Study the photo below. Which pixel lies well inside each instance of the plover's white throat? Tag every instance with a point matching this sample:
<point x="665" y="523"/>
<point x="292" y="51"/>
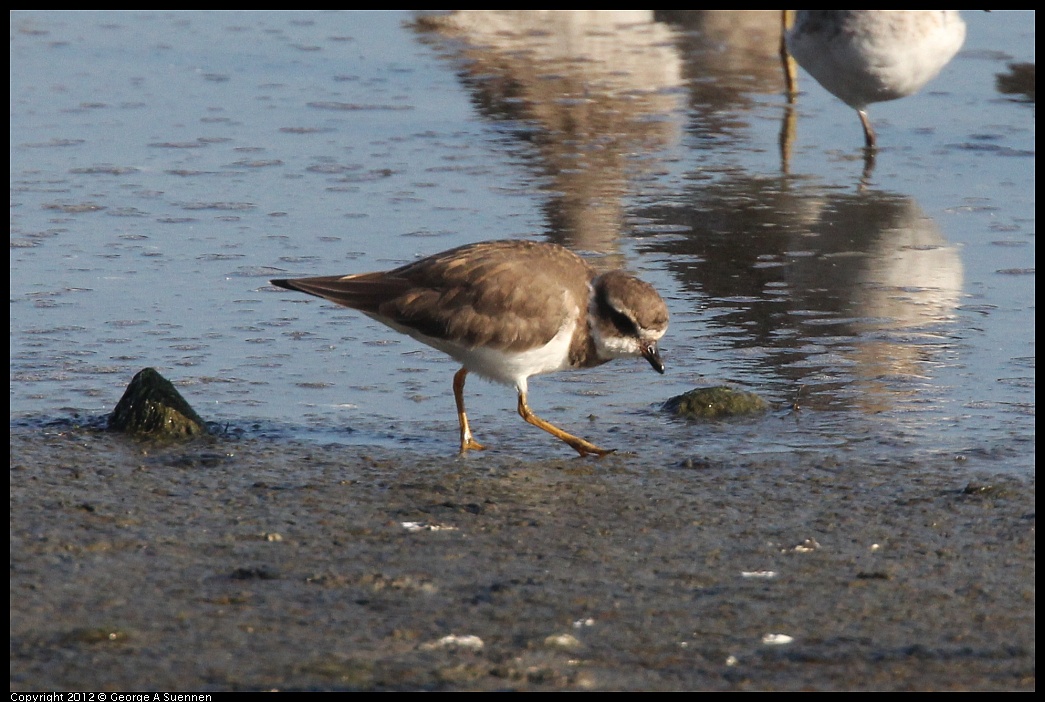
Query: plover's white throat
<point x="507" y="310"/>
<point x="865" y="56"/>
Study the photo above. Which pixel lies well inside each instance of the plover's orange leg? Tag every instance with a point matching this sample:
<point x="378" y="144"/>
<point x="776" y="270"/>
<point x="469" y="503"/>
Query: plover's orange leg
<point x="467" y="442"/>
<point x="578" y="444"/>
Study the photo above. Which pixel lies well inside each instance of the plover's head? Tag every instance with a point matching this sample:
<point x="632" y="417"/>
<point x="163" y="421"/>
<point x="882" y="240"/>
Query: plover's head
<point x="627" y="318"/>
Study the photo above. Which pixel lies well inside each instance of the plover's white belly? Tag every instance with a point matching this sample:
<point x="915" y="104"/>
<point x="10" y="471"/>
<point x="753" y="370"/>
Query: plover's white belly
<point x="502" y="366"/>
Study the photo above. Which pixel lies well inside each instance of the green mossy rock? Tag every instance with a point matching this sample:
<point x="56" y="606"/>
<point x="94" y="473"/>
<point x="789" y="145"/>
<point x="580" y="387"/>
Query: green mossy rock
<point x="152" y="407"/>
<point x="715" y="403"/>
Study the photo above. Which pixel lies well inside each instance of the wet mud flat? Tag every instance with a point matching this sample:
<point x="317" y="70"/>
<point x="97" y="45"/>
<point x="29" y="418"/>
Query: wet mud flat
<point x="228" y="564"/>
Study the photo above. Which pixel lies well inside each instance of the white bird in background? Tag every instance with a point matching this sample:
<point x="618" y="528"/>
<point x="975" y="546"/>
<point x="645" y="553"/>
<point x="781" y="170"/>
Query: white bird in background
<point x="865" y="56"/>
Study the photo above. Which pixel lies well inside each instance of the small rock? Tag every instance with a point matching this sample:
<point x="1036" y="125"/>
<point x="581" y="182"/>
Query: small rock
<point x="565" y="642"/>
<point x="152" y="407"/>
<point x="716" y="402"/>
<point x="454" y="642"/>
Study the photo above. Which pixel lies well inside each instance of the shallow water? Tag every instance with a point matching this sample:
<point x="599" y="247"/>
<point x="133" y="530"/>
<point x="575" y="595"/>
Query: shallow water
<point x="165" y="165"/>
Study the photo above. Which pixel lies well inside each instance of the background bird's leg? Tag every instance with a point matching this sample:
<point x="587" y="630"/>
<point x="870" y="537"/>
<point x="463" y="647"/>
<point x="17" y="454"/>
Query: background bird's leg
<point x="869" y="137"/>
<point x="787" y="20"/>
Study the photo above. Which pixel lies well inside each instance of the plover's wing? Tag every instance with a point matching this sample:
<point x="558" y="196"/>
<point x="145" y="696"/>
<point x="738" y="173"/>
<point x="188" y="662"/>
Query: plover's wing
<point x="363" y="291"/>
<point x="511" y="296"/>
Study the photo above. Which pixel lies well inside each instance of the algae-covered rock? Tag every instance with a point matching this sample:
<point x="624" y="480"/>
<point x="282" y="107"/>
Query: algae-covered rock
<point x="151" y="406"/>
<point x="716" y="402"/>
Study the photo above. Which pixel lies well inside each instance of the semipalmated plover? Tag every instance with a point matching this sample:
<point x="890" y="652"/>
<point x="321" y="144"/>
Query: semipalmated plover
<point x="865" y="56"/>
<point x="507" y="310"/>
